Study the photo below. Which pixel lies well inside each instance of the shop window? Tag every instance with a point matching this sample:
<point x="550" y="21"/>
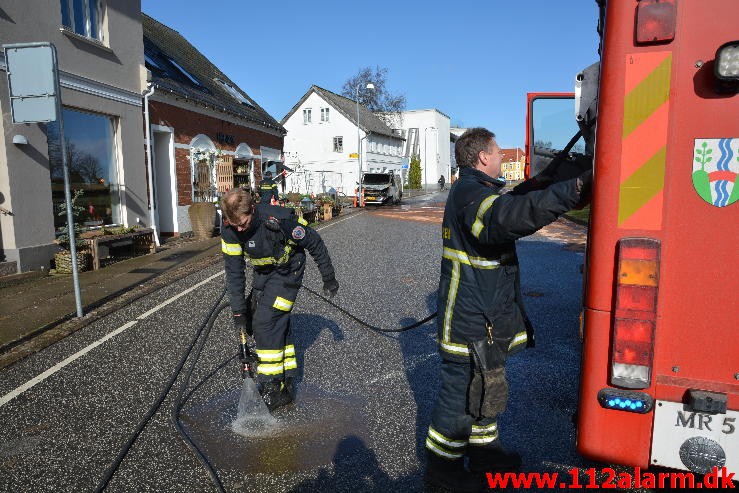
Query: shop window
<point x="82" y="17"/>
<point x="93" y="167"/>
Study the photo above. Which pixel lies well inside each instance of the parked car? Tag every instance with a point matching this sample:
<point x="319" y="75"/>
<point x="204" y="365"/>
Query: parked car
<point x="382" y="188"/>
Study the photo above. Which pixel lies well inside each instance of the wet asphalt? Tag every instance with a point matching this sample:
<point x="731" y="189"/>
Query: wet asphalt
<point x="364" y="399"/>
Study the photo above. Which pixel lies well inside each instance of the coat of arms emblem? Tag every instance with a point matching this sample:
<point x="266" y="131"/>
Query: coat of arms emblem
<point x="715" y="166"/>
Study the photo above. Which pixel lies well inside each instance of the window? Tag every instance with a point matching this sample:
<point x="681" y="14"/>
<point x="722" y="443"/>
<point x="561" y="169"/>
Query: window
<point x="91" y="155"/>
<point x="338" y="144"/>
<point x="82" y="17"/>
<point x="234" y="92"/>
<point x="306" y="116"/>
<point x="324" y="114"/>
<point x="185" y="72"/>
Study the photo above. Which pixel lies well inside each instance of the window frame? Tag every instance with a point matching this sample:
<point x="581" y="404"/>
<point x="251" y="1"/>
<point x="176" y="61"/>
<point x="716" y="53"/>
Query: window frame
<point x="88" y="29"/>
<point x="324" y="115"/>
<point x="307" y="118"/>
<point x="339" y="139"/>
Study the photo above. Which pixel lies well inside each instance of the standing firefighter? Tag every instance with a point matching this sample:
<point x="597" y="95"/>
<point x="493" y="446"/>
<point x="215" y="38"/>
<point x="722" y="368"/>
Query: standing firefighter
<point x="274" y="241"/>
<point x="481" y="319"/>
<point x="268" y="189"/>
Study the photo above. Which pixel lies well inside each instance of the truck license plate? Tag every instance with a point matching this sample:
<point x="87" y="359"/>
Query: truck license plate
<point x="694" y="441"/>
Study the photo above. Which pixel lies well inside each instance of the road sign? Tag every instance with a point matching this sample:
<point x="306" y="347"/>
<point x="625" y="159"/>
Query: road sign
<point x="354" y="155"/>
<point x="405" y="166"/>
<point x="31" y="69"/>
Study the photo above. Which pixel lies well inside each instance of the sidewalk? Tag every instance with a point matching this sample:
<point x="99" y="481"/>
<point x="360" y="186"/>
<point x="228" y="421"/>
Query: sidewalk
<point x="40" y="311"/>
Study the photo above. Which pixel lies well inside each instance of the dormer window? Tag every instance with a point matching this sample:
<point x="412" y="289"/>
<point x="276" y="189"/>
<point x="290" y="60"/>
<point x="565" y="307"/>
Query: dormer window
<point x="234" y="92"/>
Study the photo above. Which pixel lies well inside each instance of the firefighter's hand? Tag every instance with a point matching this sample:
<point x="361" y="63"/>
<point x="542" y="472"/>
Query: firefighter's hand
<point x="240" y="321"/>
<point x="584" y="185"/>
<point x="330" y="288"/>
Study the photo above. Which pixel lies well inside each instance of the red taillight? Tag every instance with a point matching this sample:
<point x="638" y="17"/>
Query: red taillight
<point x="637" y="286"/>
<point x="655" y="21"/>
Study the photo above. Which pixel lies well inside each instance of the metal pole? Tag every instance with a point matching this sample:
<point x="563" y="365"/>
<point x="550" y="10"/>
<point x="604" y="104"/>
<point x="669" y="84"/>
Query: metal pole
<point x="359" y="156"/>
<point x="68" y="200"/>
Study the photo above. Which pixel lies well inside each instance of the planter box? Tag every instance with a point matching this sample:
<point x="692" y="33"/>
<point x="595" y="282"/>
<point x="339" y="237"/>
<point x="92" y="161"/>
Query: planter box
<point x="63" y="261"/>
<point x="141" y="242"/>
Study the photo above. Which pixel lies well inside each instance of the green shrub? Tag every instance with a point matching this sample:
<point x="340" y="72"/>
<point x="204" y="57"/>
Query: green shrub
<point x="414" y="173"/>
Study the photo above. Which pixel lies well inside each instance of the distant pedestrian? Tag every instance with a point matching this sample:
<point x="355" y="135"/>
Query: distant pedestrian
<point x="441" y="182"/>
<point x="481" y="317"/>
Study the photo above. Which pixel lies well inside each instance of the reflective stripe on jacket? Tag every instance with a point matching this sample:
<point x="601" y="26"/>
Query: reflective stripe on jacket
<point x="479" y="285"/>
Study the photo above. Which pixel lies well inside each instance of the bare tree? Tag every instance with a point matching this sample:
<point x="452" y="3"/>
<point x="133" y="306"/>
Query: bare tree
<point x="386" y="106"/>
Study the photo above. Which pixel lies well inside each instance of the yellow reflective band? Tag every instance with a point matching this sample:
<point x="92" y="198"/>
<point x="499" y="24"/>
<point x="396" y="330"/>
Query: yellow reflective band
<point x="285" y="255"/>
<point x="262" y="261"/>
<point x="289" y="350"/>
<point x="283" y="304"/>
<point x="520" y="338"/>
<point x="440" y="451"/>
<point x="291" y="363"/>
<point x="270" y="354"/>
<point x="453" y="348"/>
<point x="231" y="248"/>
<point x="302" y="221"/>
<point x="479" y="429"/>
<point x="480" y="439"/>
<point x="478" y="225"/>
<point x="265" y="187"/>
<point x="438" y="437"/>
<point x="451" y="300"/>
<point x="270" y="369"/>
<point x="476" y="262"/>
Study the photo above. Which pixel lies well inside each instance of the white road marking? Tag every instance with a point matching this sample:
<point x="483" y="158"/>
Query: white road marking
<point x="43" y="376"/>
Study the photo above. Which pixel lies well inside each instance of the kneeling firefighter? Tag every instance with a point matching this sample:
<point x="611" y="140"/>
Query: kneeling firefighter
<point x="274" y="241"/>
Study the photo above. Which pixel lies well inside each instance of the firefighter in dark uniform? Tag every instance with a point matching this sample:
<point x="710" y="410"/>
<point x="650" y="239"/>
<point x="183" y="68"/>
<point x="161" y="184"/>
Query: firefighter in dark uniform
<point x="267" y="189"/>
<point x="479" y="301"/>
<point x="274" y="242"/>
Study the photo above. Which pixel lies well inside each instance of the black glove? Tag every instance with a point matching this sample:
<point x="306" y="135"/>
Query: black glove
<point x="240" y="321"/>
<point x="330" y="288"/>
<point x="584" y="186"/>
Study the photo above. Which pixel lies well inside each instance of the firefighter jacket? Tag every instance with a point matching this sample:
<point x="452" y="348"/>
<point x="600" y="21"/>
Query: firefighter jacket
<point x="479" y="287"/>
<point x="267" y="190"/>
<point x="274" y="244"/>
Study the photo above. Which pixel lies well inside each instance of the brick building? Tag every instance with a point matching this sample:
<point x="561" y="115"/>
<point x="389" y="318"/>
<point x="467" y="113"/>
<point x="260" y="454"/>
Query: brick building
<point x="207" y="135"/>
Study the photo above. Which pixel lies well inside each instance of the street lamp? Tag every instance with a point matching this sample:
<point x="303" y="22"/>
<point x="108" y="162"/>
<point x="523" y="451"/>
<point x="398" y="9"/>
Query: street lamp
<point x="369" y="85"/>
<point x="425" y="155"/>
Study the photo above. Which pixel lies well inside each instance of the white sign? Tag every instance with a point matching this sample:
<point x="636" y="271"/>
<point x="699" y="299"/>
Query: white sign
<point x="31" y="69"/>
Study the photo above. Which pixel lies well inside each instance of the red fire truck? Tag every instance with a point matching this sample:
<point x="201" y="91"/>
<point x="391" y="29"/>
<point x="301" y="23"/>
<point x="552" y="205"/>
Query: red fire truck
<point x="658" y="116"/>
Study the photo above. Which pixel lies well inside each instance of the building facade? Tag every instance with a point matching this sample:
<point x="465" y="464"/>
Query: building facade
<point x="513" y="164"/>
<point x="428" y="136"/>
<point x="101" y="72"/>
<point x="321" y="145"/>
<point x="207" y="134"/>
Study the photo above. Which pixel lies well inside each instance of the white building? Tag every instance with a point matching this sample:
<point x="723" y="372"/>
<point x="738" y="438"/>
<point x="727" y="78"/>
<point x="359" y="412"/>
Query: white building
<point x="321" y="143"/>
<point x="428" y="136"/>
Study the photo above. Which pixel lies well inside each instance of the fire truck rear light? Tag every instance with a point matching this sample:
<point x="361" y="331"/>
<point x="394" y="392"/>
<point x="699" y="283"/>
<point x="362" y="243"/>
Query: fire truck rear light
<point x="655" y="21"/>
<point x="630" y="376"/>
<point x="637" y="288"/>
<point x="727" y="61"/>
<point x="625" y="400"/>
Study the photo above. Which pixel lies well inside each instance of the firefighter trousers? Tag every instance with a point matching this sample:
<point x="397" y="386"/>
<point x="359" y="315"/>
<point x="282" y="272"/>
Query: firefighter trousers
<point x="275" y="295"/>
<point x="453" y="432"/>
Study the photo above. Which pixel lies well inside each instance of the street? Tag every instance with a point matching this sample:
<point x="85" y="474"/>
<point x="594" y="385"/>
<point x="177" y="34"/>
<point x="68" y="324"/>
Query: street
<point x="364" y="399"/>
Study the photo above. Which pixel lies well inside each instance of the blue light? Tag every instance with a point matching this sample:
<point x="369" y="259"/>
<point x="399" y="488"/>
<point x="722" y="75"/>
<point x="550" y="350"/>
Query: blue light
<point x="632" y="406"/>
<point x="622" y="405"/>
<point x="611" y="402"/>
<point x="628" y="402"/>
<point x="639" y="404"/>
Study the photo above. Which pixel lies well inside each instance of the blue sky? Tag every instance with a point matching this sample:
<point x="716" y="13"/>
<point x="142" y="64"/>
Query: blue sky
<point x="473" y="60"/>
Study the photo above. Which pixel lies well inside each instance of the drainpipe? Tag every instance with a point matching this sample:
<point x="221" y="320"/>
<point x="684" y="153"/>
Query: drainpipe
<point x="149" y="168"/>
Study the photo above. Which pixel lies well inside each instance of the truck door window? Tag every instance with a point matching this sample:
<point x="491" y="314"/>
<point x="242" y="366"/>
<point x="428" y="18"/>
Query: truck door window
<point x="553" y="124"/>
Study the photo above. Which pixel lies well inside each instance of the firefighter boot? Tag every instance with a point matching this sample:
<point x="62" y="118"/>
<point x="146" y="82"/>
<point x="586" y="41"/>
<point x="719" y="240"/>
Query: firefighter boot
<point x="275" y="394"/>
<point x="492" y="459"/>
<point x="450" y="474"/>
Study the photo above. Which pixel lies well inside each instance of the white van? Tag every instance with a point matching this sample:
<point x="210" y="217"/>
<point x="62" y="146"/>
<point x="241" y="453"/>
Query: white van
<point x="382" y="188"/>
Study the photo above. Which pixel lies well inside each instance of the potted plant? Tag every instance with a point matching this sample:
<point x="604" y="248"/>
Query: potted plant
<point x="63" y="258"/>
<point x="327" y="205"/>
